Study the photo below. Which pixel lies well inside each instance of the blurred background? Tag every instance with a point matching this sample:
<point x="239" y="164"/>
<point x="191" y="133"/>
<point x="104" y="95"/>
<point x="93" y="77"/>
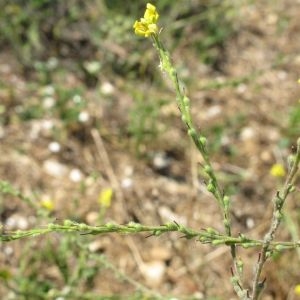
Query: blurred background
<point x="90" y="131"/>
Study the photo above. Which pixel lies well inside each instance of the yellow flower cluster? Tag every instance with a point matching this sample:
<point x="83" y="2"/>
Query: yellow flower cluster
<point x="105" y="197"/>
<point x="147" y="25"/>
<point x="277" y="170"/>
<point x="48" y="204"/>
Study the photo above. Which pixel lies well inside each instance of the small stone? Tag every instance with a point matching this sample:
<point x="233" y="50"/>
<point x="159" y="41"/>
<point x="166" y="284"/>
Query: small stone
<point x="241" y="89"/>
<point x="75" y="175"/>
<point x="16" y="221"/>
<point x="52" y="63"/>
<point x="153" y="272"/>
<point x="247" y="133"/>
<point x="54" y="168"/>
<point x="84" y="117"/>
<point x="107" y="88"/>
<point x="54" y="147"/>
<point x="271" y="19"/>
<point x="126" y="183"/>
<point x="96" y="246"/>
<point x="128" y="171"/>
<point x="92" y="217"/>
<point x="250" y="223"/>
<point x="213" y="112"/>
<point x="161" y="161"/>
<point x="47" y="124"/>
<point x="93" y="67"/>
<point x="282" y="75"/>
<point x="48" y="102"/>
<point x="8" y="250"/>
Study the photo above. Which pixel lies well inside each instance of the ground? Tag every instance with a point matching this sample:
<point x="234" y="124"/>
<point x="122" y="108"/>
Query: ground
<point x="247" y="106"/>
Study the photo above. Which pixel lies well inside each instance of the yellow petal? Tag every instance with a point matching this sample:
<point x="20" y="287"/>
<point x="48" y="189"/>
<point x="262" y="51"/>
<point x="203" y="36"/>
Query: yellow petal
<point x="151" y="15"/>
<point x="47" y="204"/>
<point x="147" y="25"/>
<point x="105" y="197"/>
<point x="277" y="170"/>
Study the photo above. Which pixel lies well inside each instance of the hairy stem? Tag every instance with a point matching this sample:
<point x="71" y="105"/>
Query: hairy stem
<point x="200" y="142"/>
<point x="278" y="202"/>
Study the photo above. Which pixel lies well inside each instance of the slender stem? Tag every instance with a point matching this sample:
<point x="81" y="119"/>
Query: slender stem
<point x="183" y="103"/>
<point x="278" y="202"/>
<point x="205" y="236"/>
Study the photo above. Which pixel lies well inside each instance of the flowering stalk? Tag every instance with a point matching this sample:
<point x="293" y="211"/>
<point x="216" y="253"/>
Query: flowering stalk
<point x="145" y="27"/>
<point x="204" y="236"/>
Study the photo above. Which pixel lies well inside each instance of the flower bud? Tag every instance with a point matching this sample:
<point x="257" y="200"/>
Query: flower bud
<point x="192" y="133"/>
<point x="186" y="101"/>
<point x="202" y="140"/>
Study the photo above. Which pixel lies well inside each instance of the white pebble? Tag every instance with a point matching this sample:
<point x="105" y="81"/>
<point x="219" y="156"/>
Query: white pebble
<point x="16" y="222"/>
<point x="213" y="111"/>
<point x="161" y="161"/>
<point x="75" y="175"/>
<point x="126" y="183"/>
<point x="54" y="147"/>
<point x="247" y="133"/>
<point x="52" y="63"/>
<point x="48" y="102"/>
<point x="83" y="117"/>
<point x="154" y="271"/>
<point x="8" y="250"/>
<point x="47" y="125"/>
<point x="96" y="246"/>
<point x="54" y="168"/>
<point x="250" y="223"/>
<point x="107" y="88"/>
<point x="282" y="75"/>
<point x="241" y="88"/>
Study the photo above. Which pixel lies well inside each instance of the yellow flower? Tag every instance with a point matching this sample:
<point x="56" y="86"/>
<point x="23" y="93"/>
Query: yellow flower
<point x="151" y="15"/>
<point x="144" y="29"/>
<point x="47" y="204"/>
<point x="105" y="197"/>
<point x="147" y="25"/>
<point x="277" y="170"/>
<point x="297" y="290"/>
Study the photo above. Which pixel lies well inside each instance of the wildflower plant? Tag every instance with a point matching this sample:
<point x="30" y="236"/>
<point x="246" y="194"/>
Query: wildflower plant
<point x="213" y="186"/>
<point x="147" y="27"/>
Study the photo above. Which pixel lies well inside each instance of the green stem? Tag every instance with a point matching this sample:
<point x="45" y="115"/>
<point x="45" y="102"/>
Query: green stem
<point x="205" y="236"/>
<point x="278" y="202"/>
<point x="199" y="140"/>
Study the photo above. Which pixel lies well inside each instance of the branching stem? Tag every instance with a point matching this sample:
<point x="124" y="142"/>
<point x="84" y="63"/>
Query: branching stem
<point x="278" y="202"/>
